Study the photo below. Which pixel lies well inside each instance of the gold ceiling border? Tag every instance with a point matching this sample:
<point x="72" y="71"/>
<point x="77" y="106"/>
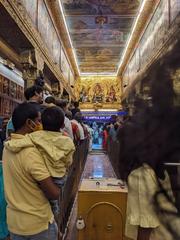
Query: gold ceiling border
<point x="100" y="106"/>
<point x="19" y="14"/>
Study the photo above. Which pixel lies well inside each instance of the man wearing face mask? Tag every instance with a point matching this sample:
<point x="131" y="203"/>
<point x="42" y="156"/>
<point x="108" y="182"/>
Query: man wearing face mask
<point x="27" y="181"/>
<point x="33" y="95"/>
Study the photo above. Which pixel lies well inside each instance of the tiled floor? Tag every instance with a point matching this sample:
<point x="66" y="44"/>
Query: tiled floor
<point x="97" y="166"/>
<point x="97" y="146"/>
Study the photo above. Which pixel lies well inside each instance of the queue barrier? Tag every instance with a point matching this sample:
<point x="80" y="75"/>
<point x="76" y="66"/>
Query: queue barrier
<point x="72" y="184"/>
<point x="68" y="194"/>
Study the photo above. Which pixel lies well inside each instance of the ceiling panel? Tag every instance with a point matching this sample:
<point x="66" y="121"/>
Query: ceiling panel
<point x="99" y="30"/>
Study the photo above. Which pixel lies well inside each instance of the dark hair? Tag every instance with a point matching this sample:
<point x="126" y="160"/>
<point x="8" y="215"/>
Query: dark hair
<point x="150" y="136"/>
<point x="68" y="114"/>
<point x="78" y="117"/>
<point x="62" y="103"/>
<point x="50" y="99"/>
<point x="52" y="119"/>
<point x="40" y="80"/>
<point x="23" y="112"/>
<point x="76" y="104"/>
<point x="31" y="91"/>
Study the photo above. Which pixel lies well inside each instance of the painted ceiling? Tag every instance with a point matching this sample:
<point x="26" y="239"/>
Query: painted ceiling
<point x="99" y="31"/>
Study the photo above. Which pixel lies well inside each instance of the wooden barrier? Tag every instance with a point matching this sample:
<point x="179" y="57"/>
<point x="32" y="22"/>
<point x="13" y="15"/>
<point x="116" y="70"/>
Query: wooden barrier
<point x="113" y="149"/>
<point x="72" y="183"/>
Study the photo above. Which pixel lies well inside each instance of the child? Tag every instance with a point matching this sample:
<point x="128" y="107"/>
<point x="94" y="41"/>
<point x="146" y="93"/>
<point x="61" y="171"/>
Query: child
<point x="56" y="149"/>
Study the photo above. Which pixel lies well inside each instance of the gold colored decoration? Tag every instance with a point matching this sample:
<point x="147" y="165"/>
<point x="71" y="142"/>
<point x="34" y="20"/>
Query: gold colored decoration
<point x="98" y="92"/>
<point x="32" y="66"/>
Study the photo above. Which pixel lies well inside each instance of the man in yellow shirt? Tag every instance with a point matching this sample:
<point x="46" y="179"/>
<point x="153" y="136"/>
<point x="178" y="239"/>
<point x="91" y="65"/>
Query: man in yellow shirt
<point x="27" y="181"/>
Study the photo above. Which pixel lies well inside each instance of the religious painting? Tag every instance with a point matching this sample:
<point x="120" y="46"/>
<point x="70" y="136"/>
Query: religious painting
<point x="174" y="9"/>
<point x="13" y="89"/>
<point x="111" y="95"/>
<point x="133" y="67"/>
<point x="87" y="35"/>
<point x="71" y="78"/>
<point x="125" y="79"/>
<point x="98" y="59"/>
<point x="44" y="22"/>
<point x="20" y="93"/>
<point x="154" y="34"/>
<point x="31" y="8"/>
<point x="48" y="32"/>
<point x="114" y="31"/>
<point x="137" y="57"/>
<point x="84" y="94"/>
<point x="76" y="23"/>
<point x="94" y="23"/>
<point x="98" y="93"/>
<point x="1" y="83"/>
<point x="98" y="54"/>
<point x="6" y="86"/>
<point x="5" y="110"/>
<point x="64" y="66"/>
<point x="98" y="89"/>
<point x="161" y="23"/>
<point x="56" y="47"/>
<point x="98" y="68"/>
<point x="95" y="7"/>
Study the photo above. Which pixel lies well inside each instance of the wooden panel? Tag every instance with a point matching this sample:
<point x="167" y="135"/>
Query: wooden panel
<point x="64" y="65"/>
<point x="48" y="32"/>
<point x="103" y="208"/>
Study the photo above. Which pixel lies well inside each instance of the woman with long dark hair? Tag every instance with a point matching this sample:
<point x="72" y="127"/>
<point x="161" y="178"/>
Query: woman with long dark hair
<point x="148" y="140"/>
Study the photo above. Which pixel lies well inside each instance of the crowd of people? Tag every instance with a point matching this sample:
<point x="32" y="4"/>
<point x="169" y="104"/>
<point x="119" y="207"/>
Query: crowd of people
<point x="101" y="131"/>
<point x="39" y="141"/>
<point x="38" y="162"/>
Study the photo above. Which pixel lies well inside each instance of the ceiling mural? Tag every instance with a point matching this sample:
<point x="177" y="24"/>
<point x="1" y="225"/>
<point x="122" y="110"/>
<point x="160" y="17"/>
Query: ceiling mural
<point x="99" y="31"/>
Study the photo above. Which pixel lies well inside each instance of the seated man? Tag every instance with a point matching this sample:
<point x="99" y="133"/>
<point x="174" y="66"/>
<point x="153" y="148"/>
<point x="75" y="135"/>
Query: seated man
<point x="27" y="181"/>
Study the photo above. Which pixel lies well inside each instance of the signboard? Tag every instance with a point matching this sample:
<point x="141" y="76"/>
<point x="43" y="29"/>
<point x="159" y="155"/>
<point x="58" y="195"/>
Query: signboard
<point x="104" y="116"/>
